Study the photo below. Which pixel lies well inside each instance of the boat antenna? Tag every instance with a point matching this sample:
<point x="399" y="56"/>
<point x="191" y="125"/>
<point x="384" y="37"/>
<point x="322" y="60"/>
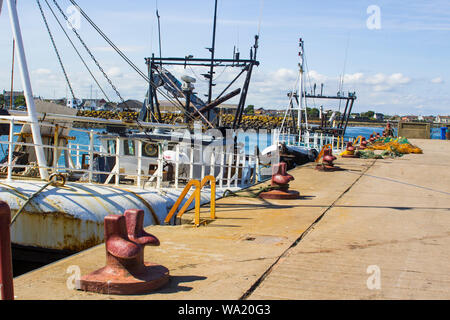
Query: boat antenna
<point x="212" y="50"/>
<point x="341" y="84"/>
<point x="261" y="6"/>
<point x="159" y="30"/>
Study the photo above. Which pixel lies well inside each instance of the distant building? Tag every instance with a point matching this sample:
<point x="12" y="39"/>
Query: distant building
<point x="74" y="103"/>
<point x="275" y="112"/>
<point x="409" y="118"/>
<point x="426" y="118"/>
<point x="443" y="119"/>
<point x="108" y="106"/>
<point x="260" y="111"/>
<point x="93" y="104"/>
<point x="7" y="95"/>
<point x="168" y="107"/>
<point x="130" y="105"/>
<point x="378" y="116"/>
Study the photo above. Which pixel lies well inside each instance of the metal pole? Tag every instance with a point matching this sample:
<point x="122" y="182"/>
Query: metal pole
<point x="11" y="98"/>
<point x="139" y="170"/>
<point x="159" y="32"/>
<point x="213" y="47"/>
<point x="91" y="155"/>
<point x="346" y="122"/>
<point x="6" y="272"/>
<point x="10" y="149"/>
<point x="300" y="94"/>
<point x="26" y="83"/>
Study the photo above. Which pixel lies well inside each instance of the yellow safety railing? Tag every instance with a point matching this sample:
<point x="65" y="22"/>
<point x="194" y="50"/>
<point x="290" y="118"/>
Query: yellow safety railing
<point x="325" y="147"/>
<point x="358" y="139"/>
<point x="195" y="195"/>
<point x="340" y="142"/>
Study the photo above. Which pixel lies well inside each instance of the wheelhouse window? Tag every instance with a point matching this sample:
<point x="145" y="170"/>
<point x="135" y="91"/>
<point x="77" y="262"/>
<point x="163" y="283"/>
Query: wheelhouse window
<point x="129" y="149"/>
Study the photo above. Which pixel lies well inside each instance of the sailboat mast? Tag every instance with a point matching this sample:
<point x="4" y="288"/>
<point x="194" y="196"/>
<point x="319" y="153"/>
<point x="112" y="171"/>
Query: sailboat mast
<point x="26" y="83"/>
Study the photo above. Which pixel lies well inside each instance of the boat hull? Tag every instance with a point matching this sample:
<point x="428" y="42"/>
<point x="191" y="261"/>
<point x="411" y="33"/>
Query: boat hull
<point x="70" y="219"/>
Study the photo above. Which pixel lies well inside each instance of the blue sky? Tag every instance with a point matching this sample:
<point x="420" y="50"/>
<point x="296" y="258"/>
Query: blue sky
<point x="401" y="68"/>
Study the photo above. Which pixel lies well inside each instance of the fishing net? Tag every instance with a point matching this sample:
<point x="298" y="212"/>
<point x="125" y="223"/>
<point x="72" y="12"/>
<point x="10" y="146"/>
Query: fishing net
<point x="394" y="146"/>
<point x="369" y="154"/>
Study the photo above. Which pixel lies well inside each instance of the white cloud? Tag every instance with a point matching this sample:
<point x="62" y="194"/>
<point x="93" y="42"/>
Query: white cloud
<point x="437" y="80"/>
<point x="41" y="71"/>
<point x="398" y="78"/>
<point x="115" y="72"/>
<point x="316" y="77"/>
<point x="353" y="78"/>
<point x="387" y="80"/>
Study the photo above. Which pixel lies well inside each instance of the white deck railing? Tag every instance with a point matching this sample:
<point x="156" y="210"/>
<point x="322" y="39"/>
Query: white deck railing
<point x="230" y="169"/>
<point x="312" y="140"/>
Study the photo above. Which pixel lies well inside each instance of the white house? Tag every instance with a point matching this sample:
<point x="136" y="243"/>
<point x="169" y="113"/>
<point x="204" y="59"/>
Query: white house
<point x="443" y="119"/>
<point x="378" y="116"/>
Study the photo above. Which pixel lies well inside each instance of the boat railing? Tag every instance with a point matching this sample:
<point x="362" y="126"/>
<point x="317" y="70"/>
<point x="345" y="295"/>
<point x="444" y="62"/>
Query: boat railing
<point x="314" y="140"/>
<point x="230" y="168"/>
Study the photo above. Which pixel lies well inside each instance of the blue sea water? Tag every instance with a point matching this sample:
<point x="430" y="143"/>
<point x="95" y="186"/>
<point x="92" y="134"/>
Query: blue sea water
<point x="251" y="140"/>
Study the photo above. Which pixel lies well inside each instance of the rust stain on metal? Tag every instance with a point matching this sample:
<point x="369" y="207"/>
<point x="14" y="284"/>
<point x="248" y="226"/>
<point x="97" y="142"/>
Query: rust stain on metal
<point x="56" y="230"/>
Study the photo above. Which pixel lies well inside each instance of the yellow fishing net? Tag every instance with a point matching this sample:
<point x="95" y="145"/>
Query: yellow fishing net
<point x="395" y="145"/>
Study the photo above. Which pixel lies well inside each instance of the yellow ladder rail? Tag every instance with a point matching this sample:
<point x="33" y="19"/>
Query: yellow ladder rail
<point x="196" y="195"/>
<point x="358" y="139"/>
<point x="325" y="147"/>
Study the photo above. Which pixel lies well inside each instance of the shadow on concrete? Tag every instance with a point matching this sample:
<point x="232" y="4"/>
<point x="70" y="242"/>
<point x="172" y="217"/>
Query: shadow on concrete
<point x="391" y="207"/>
<point x="257" y="206"/>
<point x="174" y="284"/>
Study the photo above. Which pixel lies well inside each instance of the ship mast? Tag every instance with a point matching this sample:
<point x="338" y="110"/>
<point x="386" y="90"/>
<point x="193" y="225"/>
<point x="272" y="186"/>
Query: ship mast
<point x="301" y="89"/>
<point x="26" y="83"/>
<point x="212" y="50"/>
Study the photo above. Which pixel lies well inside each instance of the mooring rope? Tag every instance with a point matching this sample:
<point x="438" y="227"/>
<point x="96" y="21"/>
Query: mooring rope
<point x="52" y="182"/>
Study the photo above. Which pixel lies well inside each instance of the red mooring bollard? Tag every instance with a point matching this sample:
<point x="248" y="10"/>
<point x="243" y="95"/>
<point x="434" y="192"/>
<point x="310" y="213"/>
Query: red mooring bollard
<point x="363" y="144"/>
<point x="6" y="272"/>
<point x="327" y="162"/>
<point x="280" y="180"/>
<point x="125" y="271"/>
<point x="351" y="151"/>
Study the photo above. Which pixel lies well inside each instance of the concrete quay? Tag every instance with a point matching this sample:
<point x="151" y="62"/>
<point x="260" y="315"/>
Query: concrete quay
<point x="378" y="230"/>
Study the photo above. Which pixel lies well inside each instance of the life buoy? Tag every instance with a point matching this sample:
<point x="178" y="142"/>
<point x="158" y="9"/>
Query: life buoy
<point x="150" y="150"/>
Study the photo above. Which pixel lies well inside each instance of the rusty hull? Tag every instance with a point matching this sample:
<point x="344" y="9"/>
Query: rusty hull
<point x="70" y="218"/>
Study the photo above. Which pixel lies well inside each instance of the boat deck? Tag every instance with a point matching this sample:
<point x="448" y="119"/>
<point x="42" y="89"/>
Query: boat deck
<point x="385" y="217"/>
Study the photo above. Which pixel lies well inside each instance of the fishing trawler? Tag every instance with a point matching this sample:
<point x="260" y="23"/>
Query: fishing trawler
<point x="60" y="187"/>
<point x="299" y="142"/>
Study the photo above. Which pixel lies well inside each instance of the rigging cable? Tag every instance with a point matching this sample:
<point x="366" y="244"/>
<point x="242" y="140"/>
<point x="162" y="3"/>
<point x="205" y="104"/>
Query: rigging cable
<point x="127" y="60"/>
<point x="261" y="6"/>
<point x="290" y="107"/>
<point x="78" y="53"/>
<point x="341" y="85"/>
<point x="114" y="47"/>
<point x="89" y="52"/>
<point x="56" y="49"/>
<point x="130" y="63"/>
